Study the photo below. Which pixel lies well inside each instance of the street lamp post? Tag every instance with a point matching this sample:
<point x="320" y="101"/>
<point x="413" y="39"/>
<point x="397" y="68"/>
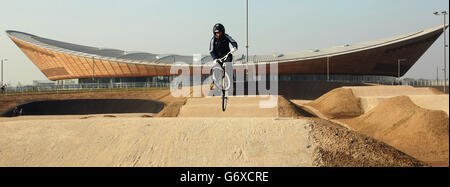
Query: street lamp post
<point x="399" y="61"/>
<point x="246" y="46"/>
<point x="93" y="68"/>
<point x="437" y="75"/>
<point x="328" y="68"/>
<point x="2" y="69"/>
<point x="444" y="14"/>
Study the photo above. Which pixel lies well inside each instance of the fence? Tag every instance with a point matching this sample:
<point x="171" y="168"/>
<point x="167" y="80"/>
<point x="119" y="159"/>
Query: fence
<point x="86" y="87"/>
<point x="158" y="85"/>
<point x="424" y="83"/>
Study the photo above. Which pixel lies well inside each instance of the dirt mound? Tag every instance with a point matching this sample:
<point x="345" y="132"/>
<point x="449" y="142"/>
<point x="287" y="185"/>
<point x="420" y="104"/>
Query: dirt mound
<point x="389" y="91"/>
<point x="290" y="110"/>
<point x="419" y="132"/>
<point x="337" y="146"/>
<point x="237" y="107"/>
<point x="339" y="103"/>
<point x="438" y="89"/>
<point x="310" y="90"/>
<point x="432" y="102"/>
<point x="172" y="109"/>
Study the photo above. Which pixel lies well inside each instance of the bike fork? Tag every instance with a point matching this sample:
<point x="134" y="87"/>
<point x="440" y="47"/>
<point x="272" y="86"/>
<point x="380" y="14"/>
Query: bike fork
<point x="224" y="96"/>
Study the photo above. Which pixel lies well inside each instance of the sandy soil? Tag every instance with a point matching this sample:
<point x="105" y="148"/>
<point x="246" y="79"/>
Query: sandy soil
<point x="438" y="90"/>
<point x="429" y="98"/>
<point x="172" y="104"/>
<point x="416" y="124"/>
<point x="276" y="137"/>
<point x="337" y="146"/>
<point x="348" y="102"/>
<point x="240" y="106"/>
<point x="155" y="142"/>
<point x="339" y="103"/>
<point x="236" y="107"/>
<point x="288" y="109"/>
<point x="389" y="91"/>
<point x="398" y="121"/>
<point x="431" y="102"/>
<point x="301" y="102"/>
<point x="131" y="141"/>
<point x="310" y="90"/>
<point x="64" y="117"/>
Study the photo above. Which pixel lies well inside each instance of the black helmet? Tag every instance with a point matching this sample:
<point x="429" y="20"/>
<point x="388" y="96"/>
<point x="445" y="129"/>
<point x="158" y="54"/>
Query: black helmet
<point x="218" y="28"/>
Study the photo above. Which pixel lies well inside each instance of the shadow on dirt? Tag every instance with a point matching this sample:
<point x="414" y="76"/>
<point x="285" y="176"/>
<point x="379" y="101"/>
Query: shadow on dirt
<point x="85" y="106"/>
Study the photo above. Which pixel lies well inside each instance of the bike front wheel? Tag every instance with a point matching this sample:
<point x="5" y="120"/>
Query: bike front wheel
<point x="221" y="82"/>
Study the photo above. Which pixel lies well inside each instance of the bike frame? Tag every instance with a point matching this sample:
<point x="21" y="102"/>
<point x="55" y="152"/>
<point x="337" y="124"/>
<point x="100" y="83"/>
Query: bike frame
<point x="224" y="75"/>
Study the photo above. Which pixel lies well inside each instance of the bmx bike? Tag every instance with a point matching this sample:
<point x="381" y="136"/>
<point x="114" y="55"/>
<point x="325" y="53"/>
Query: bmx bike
<point x="219" y="73"/>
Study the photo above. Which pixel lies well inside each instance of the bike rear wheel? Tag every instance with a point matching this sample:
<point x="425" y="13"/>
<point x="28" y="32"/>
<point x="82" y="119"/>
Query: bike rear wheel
<point x="224" y="96"/>
<point x="224" y="102"/>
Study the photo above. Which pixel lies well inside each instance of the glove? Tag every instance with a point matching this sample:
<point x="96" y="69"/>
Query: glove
<point x="234" y="50"/>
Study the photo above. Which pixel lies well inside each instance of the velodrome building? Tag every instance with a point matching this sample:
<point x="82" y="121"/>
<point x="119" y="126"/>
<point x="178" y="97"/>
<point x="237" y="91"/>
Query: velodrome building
<point x="374" y="61"/>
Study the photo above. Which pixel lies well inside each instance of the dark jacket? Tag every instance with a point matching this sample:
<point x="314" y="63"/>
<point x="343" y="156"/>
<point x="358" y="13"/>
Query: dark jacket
<point x="219" y="47"/>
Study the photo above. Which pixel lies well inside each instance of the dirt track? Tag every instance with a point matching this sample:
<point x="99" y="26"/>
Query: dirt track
<point x="310" y="90"/>
<point x="154" y="142"/>
<point x="419" y="132"/>
<point x="114" y="140"/>
<point x="426" y="98"/>
<point x="105" y="141"/>
<point x="171" y="109"/>
<point x="388" y="91"/>
<point x="236" y="107"/>
<point x="339" y="103"/>
<point x="414" y="120"/>
<point x="347" y="102"/>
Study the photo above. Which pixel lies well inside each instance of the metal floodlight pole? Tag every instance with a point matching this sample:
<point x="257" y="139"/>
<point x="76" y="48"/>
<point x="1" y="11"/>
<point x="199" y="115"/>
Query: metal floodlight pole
<point x="444" y="14"/>
<point x="437" y="75"/>
<point x="246" y="57"/>
<point x="2" y="70"/>
<point x="328" y="68"/>
<point x="246" y="37"/>
<point x="399" y="61"/>
<point x="93" y="72"/>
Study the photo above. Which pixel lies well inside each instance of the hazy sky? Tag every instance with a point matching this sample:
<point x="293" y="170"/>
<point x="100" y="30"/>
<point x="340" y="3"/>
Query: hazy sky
<point x="185" y="27"/>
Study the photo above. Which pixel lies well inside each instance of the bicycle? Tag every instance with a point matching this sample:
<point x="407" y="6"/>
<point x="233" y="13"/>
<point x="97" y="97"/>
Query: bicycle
<point x="226" y="82"/>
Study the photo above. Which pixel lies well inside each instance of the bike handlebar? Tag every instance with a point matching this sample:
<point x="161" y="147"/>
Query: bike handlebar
<point x="224" y="58"/>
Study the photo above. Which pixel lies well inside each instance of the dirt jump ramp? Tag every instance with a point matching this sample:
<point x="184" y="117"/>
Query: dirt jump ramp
<point x="372" y="96"/>
<point x="238" y="106"/>
<point x="388" y="91"/>
<point x="189" y="142"/>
